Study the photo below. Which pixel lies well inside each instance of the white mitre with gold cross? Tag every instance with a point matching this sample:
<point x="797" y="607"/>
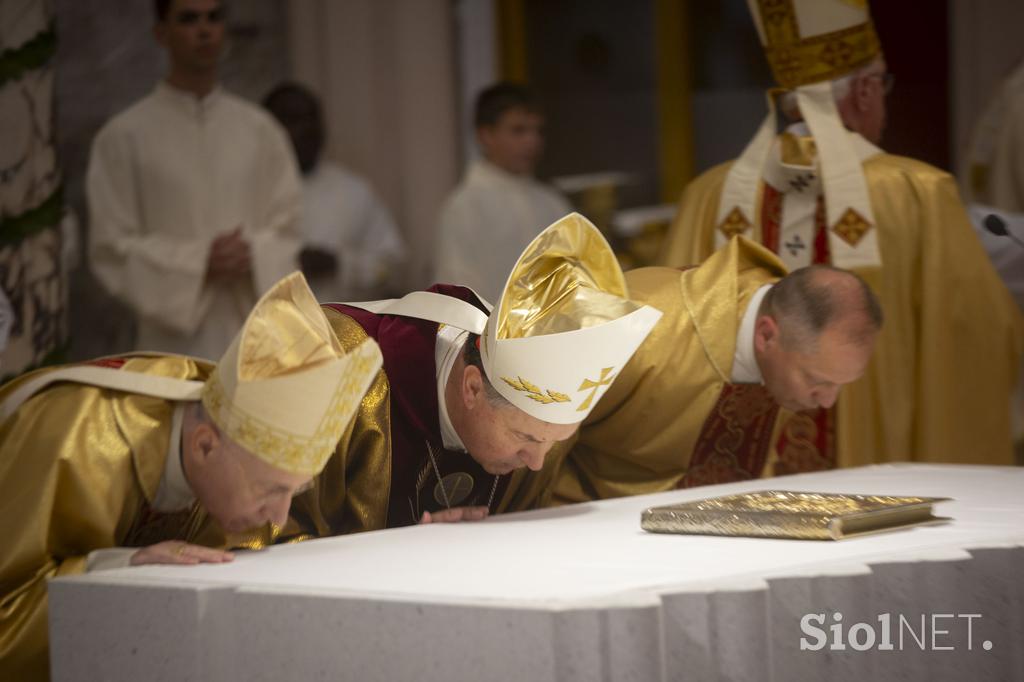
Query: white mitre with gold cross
<point x="808" y="44"/>
<point x="285" y="389"/>
<point x="564" y="326"/>
<point x="562" y="330"/>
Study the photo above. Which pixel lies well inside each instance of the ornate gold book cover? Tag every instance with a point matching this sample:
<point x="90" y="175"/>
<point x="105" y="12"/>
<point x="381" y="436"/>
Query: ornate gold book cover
<point x="794" y="515"/>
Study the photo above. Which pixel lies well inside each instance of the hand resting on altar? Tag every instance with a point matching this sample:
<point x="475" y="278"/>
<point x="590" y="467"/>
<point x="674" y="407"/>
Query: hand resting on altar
<point x="178" y="552"/>
<point x="454" y="515"/>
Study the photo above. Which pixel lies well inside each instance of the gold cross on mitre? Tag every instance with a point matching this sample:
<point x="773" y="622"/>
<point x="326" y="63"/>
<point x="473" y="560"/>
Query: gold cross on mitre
<point x="604" y="380"/>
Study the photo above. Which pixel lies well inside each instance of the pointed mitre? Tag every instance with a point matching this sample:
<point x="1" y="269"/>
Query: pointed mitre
<point x="285" y="389"/>
<point x="564" y="326"/>
<point x="808" y="44"/>
<point x="810" y="41"/>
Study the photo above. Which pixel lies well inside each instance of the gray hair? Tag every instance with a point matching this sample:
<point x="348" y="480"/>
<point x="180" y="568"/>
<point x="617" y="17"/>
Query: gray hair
<point x="471" y="356"/>
<point x="808" y="300"/>
<point x="840" y="89"/>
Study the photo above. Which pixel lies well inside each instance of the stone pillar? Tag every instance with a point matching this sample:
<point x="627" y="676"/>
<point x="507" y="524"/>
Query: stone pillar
<point x="32" y="276"/>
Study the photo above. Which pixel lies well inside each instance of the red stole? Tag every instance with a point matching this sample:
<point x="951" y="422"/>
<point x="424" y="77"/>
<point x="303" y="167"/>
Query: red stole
<point x="408" y="346"/>
<point x="808" y="439"/>
<point x="735" y="439"/>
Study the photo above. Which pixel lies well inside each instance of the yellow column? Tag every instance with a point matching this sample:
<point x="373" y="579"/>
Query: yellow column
<point x="511" y="31"/>
<point x="675" y="80"/>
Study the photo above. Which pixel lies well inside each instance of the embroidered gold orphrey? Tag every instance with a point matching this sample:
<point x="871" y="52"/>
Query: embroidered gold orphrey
<point x="734" y="223"/>
<point x="534" y="392"/>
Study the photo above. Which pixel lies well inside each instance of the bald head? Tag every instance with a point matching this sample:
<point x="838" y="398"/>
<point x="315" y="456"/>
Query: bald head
<point x="815" y="332"/>
<point x="810" y="300"/>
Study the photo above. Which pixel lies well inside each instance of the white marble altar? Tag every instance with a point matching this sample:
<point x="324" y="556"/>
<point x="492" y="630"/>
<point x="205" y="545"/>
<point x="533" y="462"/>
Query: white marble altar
<point x="578" y="593"/>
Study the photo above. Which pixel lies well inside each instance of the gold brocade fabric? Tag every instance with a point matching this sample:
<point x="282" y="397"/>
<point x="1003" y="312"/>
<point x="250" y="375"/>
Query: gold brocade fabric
<point x="938" y="386"/>
<point x="571" y="281"/>
<point x="797" y="60"/>
<point x="351" y="494"/>
<point x="79" y="467"/>
<point x="284" y="389"/>
<point x="797" y="150"/>
<point x="285" y="334"/>
<point x="641" y="436"/>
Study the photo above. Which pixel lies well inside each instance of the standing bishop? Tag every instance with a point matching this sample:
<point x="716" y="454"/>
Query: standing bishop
<point x="938" y="386"/>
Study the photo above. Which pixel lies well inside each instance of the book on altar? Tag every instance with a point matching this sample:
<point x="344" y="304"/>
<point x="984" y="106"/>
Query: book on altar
<point x="792" y="515"/>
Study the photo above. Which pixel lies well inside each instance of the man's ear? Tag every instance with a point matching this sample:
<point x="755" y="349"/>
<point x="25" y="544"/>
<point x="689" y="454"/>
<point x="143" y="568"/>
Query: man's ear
<point x="485" y="137"/>
<point x="204" y="441"/>
<point x="861" y="88"/>
<point x="766" y="333"/>
<point x="473" y="391"/>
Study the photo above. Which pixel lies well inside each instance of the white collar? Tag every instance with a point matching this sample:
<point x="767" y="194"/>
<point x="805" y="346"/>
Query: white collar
<point x="450" y="341"/>
<point x="173" y="494"/>
<point x="744" y="363"/>
<point x="189" y="102"/>
<point x="483" y="170"/>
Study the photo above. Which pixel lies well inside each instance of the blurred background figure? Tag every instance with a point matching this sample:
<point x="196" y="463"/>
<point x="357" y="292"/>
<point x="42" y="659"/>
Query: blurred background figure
<point x="193" y="196"/>
<point x="648" y="94"/>
<point x="992" y="180"/>
<point x="351" y="249"/>
<point x="992" y="171"/>
<point x="499" y="207"/>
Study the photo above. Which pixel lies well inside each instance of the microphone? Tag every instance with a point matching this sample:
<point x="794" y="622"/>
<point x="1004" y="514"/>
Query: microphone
<point x="997" y="226"/>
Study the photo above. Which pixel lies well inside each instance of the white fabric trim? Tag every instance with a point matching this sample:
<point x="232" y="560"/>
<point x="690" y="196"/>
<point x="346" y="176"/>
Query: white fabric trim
<point x="109" y="558"/>
<point x="450" y="341"/>
<point x="742" y="184"/>
<point x="745" y="369"/>
<point x="174" y="493"/>
<point x="106" y="377"/>
<point x="427" y="305"/>
<point x="842" y="176"/>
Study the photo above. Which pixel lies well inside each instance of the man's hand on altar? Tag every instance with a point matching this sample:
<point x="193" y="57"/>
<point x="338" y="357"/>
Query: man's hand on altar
<point x="178" y="552"/>
<point x="455" y="514"/>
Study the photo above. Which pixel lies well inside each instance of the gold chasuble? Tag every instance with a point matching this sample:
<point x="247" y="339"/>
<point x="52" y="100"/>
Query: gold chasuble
<point x="939" y="383"/>
<point x="381" y="474"/>
<point x="938" y="386"/>
<point x="84" y="450"/>
<point x="563" y="329"/>
<point x="88" y="485"/>
<point x="672" y="418"/>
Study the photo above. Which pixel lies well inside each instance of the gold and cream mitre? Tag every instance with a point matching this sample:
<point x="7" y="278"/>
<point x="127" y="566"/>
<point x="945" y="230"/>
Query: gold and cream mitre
<point x="564" y="326"/>
<point x="810" y="43"/>
<point x="285" y="390"/>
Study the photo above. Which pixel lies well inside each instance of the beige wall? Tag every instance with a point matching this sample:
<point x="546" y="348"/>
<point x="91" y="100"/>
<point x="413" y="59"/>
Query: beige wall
<point x="386" y="72"/>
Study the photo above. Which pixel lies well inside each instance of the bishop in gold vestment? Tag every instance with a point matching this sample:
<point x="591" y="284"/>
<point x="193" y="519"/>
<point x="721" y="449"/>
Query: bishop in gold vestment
<point x="102" y="455"/>
<point x="563" y="320"/>
<point x="939" y="385"/>
<point x="673" y="417"/>
<point x="90" y="484"/>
